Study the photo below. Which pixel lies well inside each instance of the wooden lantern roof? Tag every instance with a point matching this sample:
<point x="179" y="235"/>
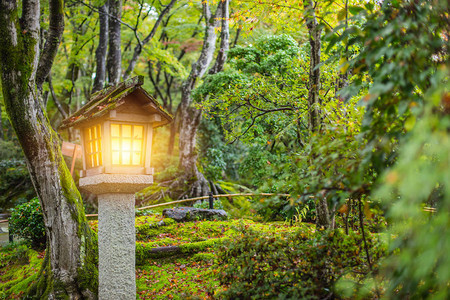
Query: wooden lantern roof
<point x="115" y="98"/>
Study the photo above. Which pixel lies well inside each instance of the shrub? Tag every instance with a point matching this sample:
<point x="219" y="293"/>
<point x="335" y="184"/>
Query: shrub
<point x="15" y="183"/>
<point x="278" y="208"/>
<point x="297" y="265"/>
<point x="10" y="150"/>
<point x="205" y="204"/>
<point x="27" y="222"/>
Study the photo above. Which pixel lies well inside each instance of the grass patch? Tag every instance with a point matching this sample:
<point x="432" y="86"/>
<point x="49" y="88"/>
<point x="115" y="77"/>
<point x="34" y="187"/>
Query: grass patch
<point x="176" y="278"/>
<point x="19" y="268"/>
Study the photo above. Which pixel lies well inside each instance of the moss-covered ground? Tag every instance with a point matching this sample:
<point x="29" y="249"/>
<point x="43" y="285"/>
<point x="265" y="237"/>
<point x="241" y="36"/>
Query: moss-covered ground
<point x="19" y="267"/>
<point x="188" y="274"/>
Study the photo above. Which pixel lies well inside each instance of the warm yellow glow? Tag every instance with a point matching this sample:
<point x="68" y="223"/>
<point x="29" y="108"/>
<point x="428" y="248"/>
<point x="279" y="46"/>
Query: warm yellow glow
<point x="126" y="144"/>
<point x="115" y="144"/>
<point x="126" y="131"/>
<point x="93" y="144"/>
<point x="115" y="130"/>
<point x="138" y="132"/>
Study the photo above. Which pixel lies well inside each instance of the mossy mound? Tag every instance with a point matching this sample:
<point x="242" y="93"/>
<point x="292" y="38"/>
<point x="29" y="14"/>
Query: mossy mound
<point x="19" y="267"/>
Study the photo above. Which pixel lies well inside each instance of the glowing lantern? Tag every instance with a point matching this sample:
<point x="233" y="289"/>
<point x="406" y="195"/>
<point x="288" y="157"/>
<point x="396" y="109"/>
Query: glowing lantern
<point x="116" y="129"/>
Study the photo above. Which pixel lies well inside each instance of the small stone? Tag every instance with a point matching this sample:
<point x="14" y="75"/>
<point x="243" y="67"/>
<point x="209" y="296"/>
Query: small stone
<point x="185" y="214"/>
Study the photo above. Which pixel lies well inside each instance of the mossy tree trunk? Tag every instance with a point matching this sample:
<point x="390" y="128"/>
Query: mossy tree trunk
<point x="70" y="264"/>
<point x="190" y="116"/>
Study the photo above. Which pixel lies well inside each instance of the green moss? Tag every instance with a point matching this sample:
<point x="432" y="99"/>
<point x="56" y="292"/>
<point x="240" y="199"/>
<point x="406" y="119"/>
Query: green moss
<point x="169" y="221"/>
<point x="19" y="270"/>
<point x="43" y="286"/>
<point x="188" y="232"/>
<point x="88" y="272"/>
<point x="176" y="278"/>
<point x="204" y="256"/>
<point x="143" y="250"/>
<point x="200" y="246"/>
<point x="19" y="58"/>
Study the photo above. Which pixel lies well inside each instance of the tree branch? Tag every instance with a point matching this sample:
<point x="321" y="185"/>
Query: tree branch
<point x="55" y="99"/>
<point x="108" y="14"/>
<point x="155" y="84"/>
<point x="55" y="31"/>
<point x="140" y="45"/>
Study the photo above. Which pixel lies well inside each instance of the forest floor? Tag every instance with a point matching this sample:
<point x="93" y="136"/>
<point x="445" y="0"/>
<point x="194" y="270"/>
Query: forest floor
<point x="191" y="274"/>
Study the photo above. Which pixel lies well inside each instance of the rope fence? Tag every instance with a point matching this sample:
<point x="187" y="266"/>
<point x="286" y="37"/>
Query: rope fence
<point x="427" y="209"/>
<point x="202" y="198"/>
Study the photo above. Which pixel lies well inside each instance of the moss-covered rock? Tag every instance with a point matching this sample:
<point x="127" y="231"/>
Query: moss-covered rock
<point x="186" y="214"/>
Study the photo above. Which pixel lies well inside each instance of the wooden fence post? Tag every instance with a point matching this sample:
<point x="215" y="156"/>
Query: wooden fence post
<point x="211" y="200"/>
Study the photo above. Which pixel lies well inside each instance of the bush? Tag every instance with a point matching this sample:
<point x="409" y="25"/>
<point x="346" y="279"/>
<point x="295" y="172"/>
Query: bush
<point x="299" y="265"/>
<point x="10" y="150"/>
<point x="278" y="208"/>
<point x="205" y="204"/>
<point x="15" y="183"/>
<point x="27" y="222"/>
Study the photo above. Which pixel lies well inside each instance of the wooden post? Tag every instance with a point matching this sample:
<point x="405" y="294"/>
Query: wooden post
<point x="73" y="150"/>
<point x="211" y="200"/>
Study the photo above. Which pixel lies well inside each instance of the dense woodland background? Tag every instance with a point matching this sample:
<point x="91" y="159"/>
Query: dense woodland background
<point x="344" y="105"/>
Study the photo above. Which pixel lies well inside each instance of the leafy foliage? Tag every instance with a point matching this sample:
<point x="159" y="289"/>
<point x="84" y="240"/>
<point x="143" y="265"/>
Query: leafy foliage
<point x="419" y="261"/>
<point x="15" y="183"/>
<point x="262" y="81"/>
<point x="403" y="48"/>
<point x="205" y="204"/>
<point x="218" y="159"/>
<point x="27" y="222"/>
<point x="296" y="265"/>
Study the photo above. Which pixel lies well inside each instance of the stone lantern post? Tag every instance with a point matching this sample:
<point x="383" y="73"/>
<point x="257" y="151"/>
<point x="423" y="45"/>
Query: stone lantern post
<point x="116" y="128"/>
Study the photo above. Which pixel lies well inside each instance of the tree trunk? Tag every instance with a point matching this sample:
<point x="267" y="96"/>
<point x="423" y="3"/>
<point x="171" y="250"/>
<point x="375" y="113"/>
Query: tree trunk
<point x="100" y="53"/>
<point x="2" y="136"/>
<point x="69" y="270"/>
<point x="173" y="131"/>
<point x="223" y="14"/>
<point x="314" y="71"/>
<point x="114" y="53"/>
<point x="190" y="116"/>
<point x="324" y="216"/>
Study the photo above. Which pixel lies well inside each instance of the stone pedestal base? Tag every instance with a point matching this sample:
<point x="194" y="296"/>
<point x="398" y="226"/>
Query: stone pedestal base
<point x="116" y="247"/>
<point x="116" y="232"/>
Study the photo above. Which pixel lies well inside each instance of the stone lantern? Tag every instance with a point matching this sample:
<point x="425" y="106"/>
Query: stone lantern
<point x="116" y="127"/>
